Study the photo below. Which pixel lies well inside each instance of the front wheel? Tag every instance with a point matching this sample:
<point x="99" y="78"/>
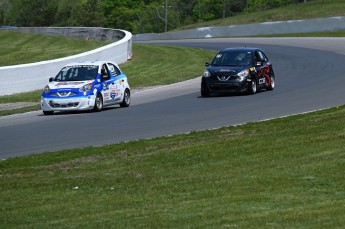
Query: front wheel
<point x="252" y="87"/>
<point x="204" y="91"/>
<point x="126" y="99"/>
<point x="98" y="103"/>
<point x="48" y="112"/>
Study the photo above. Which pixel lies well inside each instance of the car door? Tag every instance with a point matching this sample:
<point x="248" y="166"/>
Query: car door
<point x="118" y="87"/>
<point x="108" y="82"/>
<point x="262" y="68"/>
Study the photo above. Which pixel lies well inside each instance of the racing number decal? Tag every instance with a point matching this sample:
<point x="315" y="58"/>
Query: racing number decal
<point x="262" y="80"/>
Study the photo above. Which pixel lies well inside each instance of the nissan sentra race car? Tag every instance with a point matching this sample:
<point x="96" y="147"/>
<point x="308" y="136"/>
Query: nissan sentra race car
<point x="86" y="86"/>
<point x="238" y="70"/>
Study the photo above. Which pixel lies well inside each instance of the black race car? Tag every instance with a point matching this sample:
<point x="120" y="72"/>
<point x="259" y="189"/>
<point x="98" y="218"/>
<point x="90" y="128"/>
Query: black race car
<point x="238" y="70"/>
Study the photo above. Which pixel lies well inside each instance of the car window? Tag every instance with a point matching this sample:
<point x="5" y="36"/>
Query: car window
<point x="104" y="72"/>
<point x="235" y="58"/>
<point x="114" y="70"/>
<point x="262" y="57"/>
<point x="77" y="73"/>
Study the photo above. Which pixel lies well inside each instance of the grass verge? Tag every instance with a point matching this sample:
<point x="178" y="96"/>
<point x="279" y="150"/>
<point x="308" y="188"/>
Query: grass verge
<point x="22" y="48"/>
<point x="311" y="9"/>
<point x="283" y="173"/>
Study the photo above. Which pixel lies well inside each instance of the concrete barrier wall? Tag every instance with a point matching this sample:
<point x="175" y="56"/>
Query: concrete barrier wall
<point x="30" y="77"/>
<point x="279" y="27"/>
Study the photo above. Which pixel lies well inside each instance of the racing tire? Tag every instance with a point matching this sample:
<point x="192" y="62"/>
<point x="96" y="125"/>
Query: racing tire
<point x="271" y="86"/>
<point x="252" y="87"/>
<point x="126" y="99"/>
<point x="204" y="91"/>
<point x="98" y="103"/>
<point x="48" y="112"/>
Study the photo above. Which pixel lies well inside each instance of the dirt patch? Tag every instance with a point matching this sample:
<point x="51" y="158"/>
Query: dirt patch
<point x="12" y="106"/>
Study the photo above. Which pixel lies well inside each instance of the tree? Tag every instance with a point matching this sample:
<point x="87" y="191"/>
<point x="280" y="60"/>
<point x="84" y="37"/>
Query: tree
<point x="122" y="13"/>
<point x="4" y="8"/>
<point x="90" y="13"/>
<point x="32" y="12"/>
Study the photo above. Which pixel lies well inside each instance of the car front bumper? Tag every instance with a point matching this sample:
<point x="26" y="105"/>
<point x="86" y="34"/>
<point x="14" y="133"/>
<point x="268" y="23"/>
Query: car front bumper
<point x="232" y="86"/>
<point x="68" y="104"/>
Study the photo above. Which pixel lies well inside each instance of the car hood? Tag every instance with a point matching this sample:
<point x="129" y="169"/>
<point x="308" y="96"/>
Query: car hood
<point x="68" y="84"/>
<point x="227" y="70"/>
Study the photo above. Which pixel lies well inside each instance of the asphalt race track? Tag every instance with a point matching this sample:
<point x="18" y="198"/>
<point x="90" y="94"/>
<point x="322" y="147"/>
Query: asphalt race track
<point x="309" y="76"/>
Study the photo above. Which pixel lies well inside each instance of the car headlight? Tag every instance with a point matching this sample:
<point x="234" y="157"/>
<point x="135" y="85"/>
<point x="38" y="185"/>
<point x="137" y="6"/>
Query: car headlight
<point x="86" y="87"/>
<point x="46" y="89"/>
<point x="243" y="74"/>
<point x="206" y="74"/>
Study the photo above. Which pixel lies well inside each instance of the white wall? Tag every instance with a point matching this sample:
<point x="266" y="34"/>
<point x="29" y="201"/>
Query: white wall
<point x="30" y="77"/>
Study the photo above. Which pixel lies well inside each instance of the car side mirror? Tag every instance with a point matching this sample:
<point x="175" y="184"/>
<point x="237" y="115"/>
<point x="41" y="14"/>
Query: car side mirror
<point x="207" y="64"/>
<point x="51" y="79"/>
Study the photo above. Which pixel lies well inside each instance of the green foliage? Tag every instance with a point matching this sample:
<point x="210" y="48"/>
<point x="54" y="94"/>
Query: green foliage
<point x="136" y="16"/>
<point x="255" y="5"/>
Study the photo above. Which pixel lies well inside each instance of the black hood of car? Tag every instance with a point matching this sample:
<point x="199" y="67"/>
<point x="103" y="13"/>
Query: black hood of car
<point x="225" y="70"/>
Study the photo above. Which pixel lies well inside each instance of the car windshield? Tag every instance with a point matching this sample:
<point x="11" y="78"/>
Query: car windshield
<point x="234" y="58"/>
<point x="77" y="73"/>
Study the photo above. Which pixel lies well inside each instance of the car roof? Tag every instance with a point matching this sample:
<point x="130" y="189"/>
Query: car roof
<point x="244" y="49"/>
<point x="91" y="63"/>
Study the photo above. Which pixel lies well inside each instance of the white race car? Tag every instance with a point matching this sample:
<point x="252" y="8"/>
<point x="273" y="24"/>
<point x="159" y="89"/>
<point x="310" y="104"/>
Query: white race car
<point x="86" y="86"/>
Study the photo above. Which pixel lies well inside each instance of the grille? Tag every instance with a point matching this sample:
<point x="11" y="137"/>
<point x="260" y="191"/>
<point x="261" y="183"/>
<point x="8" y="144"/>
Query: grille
<point x="226" y="78"/>
<point x="65" y="105"/>
<point x="64" y="94"/>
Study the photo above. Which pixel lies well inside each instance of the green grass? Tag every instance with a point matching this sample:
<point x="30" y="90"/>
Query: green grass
<point x="22" y="48"/>
<point x="310" y="10"/>
<point x="284" y="173"/>
<point x="158" y="65"/>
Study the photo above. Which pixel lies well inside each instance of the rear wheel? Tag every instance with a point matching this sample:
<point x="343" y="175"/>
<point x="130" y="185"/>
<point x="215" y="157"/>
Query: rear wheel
<point x="271" y="85"/>
<point x="126" y="99"/>
<point x="252" y="87"/>
<point x="98" y="103"/>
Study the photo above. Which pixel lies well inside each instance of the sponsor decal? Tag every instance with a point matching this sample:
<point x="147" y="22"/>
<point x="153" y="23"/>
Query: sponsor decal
<point x="69" y="83"/>
<point x="114" y="93"/>
<point x="265" y="72"/>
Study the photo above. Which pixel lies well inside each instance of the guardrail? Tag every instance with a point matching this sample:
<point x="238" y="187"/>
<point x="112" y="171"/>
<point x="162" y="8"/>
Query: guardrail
<point x="30" y="77"/>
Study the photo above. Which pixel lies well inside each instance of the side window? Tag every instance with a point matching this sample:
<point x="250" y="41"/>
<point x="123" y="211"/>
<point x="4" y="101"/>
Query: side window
<point x="114" y="70"/>
<point x="262" y="56"/>
<point x="257" y="57"/>
<point x="104" y="73"/>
